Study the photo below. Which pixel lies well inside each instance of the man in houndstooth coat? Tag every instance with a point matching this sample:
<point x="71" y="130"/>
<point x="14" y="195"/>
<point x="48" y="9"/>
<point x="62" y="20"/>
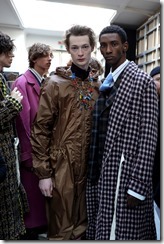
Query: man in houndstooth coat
<point x="124" y="135"/>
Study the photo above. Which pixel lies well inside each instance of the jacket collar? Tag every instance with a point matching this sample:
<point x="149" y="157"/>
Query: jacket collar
<point x="31" y="79"/>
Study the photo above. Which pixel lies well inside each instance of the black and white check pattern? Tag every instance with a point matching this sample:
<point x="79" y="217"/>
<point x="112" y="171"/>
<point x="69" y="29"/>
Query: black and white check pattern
<point x="132" y="130"/>
<point x="99" y="128"/>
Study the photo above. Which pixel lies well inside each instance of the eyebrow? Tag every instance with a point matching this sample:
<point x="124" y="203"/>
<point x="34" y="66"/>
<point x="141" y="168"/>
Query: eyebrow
<point x="80" y="45"/>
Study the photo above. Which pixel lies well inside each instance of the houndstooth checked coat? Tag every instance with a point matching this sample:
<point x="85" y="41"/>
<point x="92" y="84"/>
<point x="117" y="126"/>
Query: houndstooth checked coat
<point x="132" y="131"/>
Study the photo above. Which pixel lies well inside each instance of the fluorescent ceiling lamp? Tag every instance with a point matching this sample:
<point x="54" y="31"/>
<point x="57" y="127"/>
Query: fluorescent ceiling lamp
<point x="54" y="16"/>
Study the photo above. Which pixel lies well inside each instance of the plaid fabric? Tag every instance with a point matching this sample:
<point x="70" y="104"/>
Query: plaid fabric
<point x="2" y="168"/>
<point x="6" y="93"/>
<point x="12" y="198"/>
<point x="132" y="130"/>
<point x="99" y="128"/>
<point x="4" y="85"/>
<point x="16" y="104"/>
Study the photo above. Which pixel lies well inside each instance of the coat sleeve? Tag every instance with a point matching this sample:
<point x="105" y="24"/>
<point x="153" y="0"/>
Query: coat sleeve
<point x="42" y="130"/>
<point x="141" y="177"/>
<point x="23" y="121"/>
<point x="8" y="110"/>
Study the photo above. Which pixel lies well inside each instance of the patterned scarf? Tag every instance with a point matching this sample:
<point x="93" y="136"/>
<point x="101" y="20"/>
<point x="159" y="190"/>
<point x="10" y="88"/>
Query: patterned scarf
<point x="99" y="129"/>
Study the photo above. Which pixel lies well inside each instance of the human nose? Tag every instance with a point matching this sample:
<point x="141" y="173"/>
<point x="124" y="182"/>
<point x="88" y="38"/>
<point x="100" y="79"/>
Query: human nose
<point x="80" y="51"/>
<point x="108" y="49"/>
<point x="50" y="57"/>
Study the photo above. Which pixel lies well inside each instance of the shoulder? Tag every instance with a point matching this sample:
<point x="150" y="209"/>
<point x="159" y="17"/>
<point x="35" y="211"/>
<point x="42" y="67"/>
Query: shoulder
<point x="54" y="84"/>
<point x="20" y="79"/>
<point x="141" y="78"/>
<point x="20" y="82"/>
<point x="57" y="81"/>
<point x="26" y="78"/>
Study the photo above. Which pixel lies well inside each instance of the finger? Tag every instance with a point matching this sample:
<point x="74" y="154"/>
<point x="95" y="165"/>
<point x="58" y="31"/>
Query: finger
<point x="15" y="88"/>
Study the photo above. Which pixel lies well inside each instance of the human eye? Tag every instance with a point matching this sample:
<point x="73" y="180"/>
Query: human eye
<point x="51" y="55"/>
<point x="74" y="48"/>
<point x="102" y="45"/>
<point x="85" y="47"/>
<point x="114" y="44"/>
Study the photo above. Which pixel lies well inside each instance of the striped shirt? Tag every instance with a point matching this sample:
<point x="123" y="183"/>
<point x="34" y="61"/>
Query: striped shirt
<point x="39" y="78"/>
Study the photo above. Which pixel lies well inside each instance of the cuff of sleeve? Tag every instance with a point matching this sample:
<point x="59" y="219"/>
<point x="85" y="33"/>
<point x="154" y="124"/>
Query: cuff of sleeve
<point x="16" y="104"/>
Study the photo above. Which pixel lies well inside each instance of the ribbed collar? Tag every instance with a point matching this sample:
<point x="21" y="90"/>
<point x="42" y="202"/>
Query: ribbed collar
<point x="80" y="73"/>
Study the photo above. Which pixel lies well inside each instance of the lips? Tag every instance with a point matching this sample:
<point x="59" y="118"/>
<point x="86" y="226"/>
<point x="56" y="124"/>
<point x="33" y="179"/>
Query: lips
<point x="109" y="58"/>
<point x="81" y="60"/>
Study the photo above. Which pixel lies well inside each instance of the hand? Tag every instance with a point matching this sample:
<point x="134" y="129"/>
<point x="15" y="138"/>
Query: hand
<point x="16" y="94"/>
<point x="132" y="202"/>
<point x="46" y="187"/>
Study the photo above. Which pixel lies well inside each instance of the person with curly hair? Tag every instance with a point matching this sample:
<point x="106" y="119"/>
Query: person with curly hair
<point x="29" y="84"/>
<point x="13" y="199"/>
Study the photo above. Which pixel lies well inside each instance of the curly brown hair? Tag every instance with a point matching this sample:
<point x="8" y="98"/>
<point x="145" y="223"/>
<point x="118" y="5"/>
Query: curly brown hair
<point x="38" y="50"/>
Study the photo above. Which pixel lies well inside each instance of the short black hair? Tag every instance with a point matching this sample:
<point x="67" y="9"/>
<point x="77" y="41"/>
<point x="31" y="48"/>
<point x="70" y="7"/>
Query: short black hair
<point x="114" y="29"/>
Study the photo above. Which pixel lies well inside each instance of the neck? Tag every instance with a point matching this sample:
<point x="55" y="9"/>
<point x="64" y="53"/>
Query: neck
<point x="40" y="71"/>
<point x="79" y="72"/>
<point x="121" y="61"/>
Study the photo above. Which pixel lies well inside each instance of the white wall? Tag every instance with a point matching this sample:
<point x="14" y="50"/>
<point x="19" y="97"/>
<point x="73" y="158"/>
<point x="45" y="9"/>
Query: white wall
<point x="61" y="57"/>
<point x="23" y="41"/>
<point x="20" y="62"/>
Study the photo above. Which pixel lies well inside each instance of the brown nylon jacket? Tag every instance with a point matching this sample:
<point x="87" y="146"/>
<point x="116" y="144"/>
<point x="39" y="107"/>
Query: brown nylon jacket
<point x="60" y="142"/>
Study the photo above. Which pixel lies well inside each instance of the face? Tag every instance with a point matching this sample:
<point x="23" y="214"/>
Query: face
<point x="80" y="50"/>
<point x="93" y="71"/>
<point x="6" y="60"/>
<point x="113" y="50"/>
<point x="42" y="64"/>
<point x="157" y="82"/>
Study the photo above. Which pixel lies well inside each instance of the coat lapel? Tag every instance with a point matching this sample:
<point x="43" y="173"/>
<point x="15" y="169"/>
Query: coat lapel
<point x="32" y="81"/>
<point x="121" y="104"/>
